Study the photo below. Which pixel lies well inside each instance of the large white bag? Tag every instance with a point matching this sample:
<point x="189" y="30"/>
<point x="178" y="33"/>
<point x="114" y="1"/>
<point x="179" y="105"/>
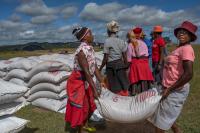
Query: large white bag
<point x="25" y="64"/>
<point x="16" y="73"/>
<point x="127" y="109"/>
<point x="48" y="66"/>
<point x="49" y="77"/>
<point x="18" y="81"/>
<point x="48" y="87"/>
<point x="4" y="64"/>
<point x="10" y="91"/>
<point x="2" y="74"/>
<point x="47" y="94"/>
<point x="51" y="104"/>
<point x="12" y="124"/>
<point x="10" y="108"/>
<point x="16" y="59"/>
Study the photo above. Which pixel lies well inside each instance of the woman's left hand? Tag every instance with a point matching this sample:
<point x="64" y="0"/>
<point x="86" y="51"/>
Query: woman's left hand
<point x="103" y="85"/>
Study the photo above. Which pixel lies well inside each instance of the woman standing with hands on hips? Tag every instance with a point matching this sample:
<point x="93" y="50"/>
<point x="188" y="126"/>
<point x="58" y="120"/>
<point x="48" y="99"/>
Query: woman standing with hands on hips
<point x="177" y="72"/>
<point x="81" y="89"/>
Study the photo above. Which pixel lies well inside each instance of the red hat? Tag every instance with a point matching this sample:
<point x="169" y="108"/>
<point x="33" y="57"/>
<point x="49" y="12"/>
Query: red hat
<point x="157" y="28"/>
<point x="190" y="27"/>
<point x="137" y="30"/>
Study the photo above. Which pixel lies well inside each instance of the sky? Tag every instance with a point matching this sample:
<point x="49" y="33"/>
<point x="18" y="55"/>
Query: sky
<point x="23" y="21"/>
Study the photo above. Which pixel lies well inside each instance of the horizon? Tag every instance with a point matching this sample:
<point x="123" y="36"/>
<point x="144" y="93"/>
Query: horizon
<point x="25" y="21"/>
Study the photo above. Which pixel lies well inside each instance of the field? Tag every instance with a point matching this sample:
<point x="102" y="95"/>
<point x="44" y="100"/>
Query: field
<point x="43" y="121"/>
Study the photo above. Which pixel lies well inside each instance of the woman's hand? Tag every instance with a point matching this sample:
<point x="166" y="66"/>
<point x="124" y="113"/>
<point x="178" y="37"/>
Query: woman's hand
<point x="103" y="85"/>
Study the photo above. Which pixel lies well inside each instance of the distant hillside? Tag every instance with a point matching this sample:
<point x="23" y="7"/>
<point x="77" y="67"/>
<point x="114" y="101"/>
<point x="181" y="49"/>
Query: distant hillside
<point x="40" y="46"/>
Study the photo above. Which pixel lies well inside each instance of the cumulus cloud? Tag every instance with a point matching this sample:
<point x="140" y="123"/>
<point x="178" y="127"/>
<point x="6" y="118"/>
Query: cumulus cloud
<point x="42" y="14"/>
<point x="7" y="25"/>
<point x="45" y="19"/>
<point x="136" y="15"/>
<point x="13" y="33"/>
<point x="35" y="8"/>
<point x="105" y="12"/>
<point x="15" y="18"/>
<point x="68" y="11"/>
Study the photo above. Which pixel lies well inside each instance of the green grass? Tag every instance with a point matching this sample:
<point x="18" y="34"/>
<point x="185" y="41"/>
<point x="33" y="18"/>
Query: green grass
<point x="43" y="121"/>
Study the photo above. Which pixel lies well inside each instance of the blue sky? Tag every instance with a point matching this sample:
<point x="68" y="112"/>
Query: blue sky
<point x="23" y="21"/>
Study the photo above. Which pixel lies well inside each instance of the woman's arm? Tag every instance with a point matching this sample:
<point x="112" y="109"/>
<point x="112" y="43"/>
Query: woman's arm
<point x="161" y="56"/>
<point x="185" y="78"/>
<point x="85" y="67"/>
<point x="98" y="74"/>
<point x="105" y="60"/>
<point x="124" y="54"/>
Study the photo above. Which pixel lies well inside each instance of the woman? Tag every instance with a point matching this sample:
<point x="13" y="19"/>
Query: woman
<point x="115" y="61"/>
<point x="140" y="74"/>
<point x="157" y="52"/>
<point x="81" y="89"/>
<point x="177" y="72"/>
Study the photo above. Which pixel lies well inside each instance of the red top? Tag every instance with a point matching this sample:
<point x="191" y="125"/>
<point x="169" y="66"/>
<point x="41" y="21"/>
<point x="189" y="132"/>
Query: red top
<point x="157" y="44"/>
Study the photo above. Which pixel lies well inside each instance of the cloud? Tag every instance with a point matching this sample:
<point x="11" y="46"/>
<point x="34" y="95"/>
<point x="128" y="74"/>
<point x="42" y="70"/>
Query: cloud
<point x="68" y="11"/>
<point x="27" y="34"/>
<point x="106" y="12"/>
<point x="140" y="15"/>
<point x="7" y="25"/>
<point x="35" y="8"/>
<point x="15" y="18"/>
<point x="42" y="14"/>
<point x="13" y="33"/>
<point x="45" y="19"/>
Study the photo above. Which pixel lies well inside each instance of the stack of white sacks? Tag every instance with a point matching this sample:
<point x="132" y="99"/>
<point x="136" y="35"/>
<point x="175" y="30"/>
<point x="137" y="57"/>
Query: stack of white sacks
<point x="45" y="75"/>
<point x="9" y="93"/>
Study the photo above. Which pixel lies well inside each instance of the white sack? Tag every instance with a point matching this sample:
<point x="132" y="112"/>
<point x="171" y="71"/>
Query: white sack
<point x="49" y="77"/>
<point x="17" y="73"/>
<point x="10" y="108"/>
<point x="2" y="74"/>
<point x="96" y="116"/>
<point x="127" y="109"/>
<point x="16" y="59"/>
<point x="4" y="64"/>
<point x="48" y="66"/>
<point x="25" y="64"/>
<point x="10" y="91"/>
<point x="48" y="87"/>
<point x="18" y="81"/>
<point x="51" y="104"/>
<point x="47" y="94"/>
<point x="11" y="124"/>
<point x="62" y="111"/>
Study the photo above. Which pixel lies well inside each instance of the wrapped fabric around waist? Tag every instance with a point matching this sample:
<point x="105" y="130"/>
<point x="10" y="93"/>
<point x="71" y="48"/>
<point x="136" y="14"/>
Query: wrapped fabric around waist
<point x="82" y="75"/>
<point x="116" y="65"/>
<point x="141" y="57"/>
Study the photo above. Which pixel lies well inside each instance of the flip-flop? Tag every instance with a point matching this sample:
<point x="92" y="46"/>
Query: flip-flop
<point x="89" y="129"/>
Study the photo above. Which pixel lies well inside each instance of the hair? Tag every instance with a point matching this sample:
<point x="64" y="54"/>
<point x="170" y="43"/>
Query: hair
<point x="80" y="32"/>
<point x="110" y="33"/>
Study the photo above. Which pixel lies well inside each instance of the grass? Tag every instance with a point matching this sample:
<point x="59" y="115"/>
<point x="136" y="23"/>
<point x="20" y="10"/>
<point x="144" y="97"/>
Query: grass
<point x="43" y="121"/>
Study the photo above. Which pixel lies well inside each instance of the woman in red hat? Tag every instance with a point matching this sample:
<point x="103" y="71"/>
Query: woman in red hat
<point x="157" y="52"/>
<point x="140" y="74"/>
<point x="81" y="89"/>
<point x="177" y="72"/>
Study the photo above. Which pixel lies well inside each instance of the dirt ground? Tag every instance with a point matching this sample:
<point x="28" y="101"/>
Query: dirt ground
<point x="142" y="127"/>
